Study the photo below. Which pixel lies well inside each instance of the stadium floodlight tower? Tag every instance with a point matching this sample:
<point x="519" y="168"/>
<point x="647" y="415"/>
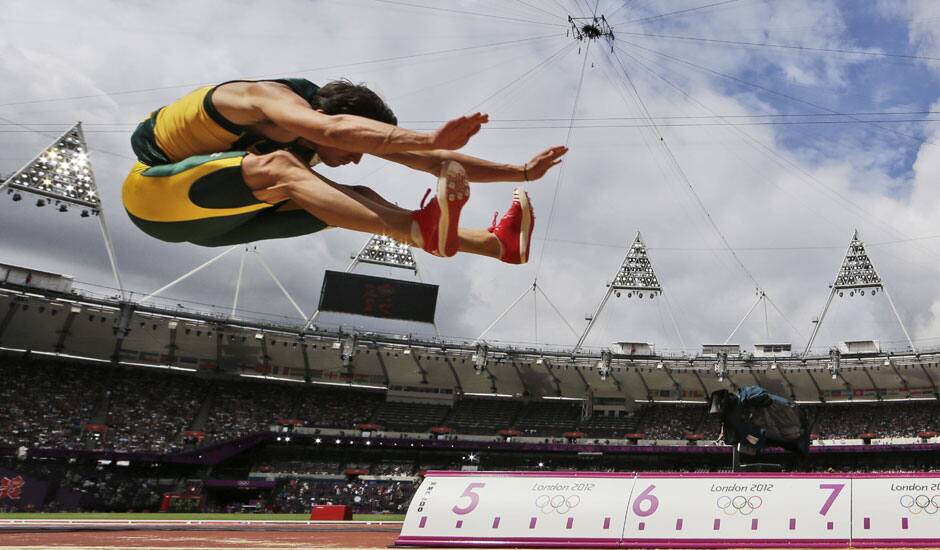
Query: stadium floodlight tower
<point x="384" y="250"/>
<point x="636" y="278"/>
<point x="380" y="250"/>
<point x="856" y="277"/>
<point x="62" y="174"/>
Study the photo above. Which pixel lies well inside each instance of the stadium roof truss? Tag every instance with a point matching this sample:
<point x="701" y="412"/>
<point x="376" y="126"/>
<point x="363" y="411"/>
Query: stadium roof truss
<point x="856" y="276"/>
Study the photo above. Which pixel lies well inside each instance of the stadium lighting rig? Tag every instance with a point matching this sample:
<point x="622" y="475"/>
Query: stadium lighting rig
<point x="348" y="350"/>
<point x="857" y="273"/>
<point x="835" y="358"/>
<point x="61" y="175"/>
<point x="635" y="277"/>
<point x="721" y="367"/>
<point x="603" y="366"/>
<point x="857" y="276"/>
<point x="480" y="358"/>
<point x="386" y="251"/>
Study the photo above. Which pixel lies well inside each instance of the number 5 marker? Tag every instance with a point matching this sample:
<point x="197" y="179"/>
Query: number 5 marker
<point x="474" y="499"/>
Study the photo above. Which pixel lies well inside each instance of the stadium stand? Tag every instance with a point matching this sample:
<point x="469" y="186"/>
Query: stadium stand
<point x="336" y="408"/>
<point x="241" y="408"/>
<point x="412" y="417"/>
<point x="671" y="422"/>
<point x="549" y="419"/>
<point x="49" y="405"/>
<point x="39" y="410"/>
<point x="613" y="426"/>
<point x="481" y="416"/>
<point x="365" y="497"/>
<point x="149" y="412"/>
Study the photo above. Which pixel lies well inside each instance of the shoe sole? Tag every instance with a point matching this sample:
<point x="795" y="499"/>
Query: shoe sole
<point x="453" y="192"/>
<point x="528" y="221"/>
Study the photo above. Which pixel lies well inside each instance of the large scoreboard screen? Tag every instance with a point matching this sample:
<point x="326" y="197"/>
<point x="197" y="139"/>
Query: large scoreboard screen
<point x="378" y="297"/>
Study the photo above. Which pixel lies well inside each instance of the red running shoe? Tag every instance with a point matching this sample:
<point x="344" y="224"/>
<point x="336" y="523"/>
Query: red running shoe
<point x="438" y="219"/>
<point x="514" y="231"/>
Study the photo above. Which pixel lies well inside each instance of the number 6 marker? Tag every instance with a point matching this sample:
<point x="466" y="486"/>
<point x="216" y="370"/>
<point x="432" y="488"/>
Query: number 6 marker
<point x="646" y="496"/>
<point x="474" y="499"/>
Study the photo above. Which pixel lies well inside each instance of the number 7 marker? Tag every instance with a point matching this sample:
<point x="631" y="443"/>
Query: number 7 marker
<point x="836" y="489"/>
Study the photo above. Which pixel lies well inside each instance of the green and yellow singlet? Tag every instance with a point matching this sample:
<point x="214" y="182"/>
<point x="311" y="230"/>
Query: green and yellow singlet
<point x="187" y="184"/>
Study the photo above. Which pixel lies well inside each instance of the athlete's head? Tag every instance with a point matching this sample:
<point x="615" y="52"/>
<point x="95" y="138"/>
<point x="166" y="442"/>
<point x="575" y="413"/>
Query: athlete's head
<point x="342" y="97"/>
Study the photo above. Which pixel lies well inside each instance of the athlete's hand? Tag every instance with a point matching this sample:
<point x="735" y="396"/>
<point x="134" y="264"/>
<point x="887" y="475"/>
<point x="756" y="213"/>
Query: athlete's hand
<point x="455" y="133"/>
<point x="542" y="162"/>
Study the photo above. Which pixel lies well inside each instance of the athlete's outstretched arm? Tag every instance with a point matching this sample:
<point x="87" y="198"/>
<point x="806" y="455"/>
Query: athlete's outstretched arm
<point x="357" y="134"/>
<point x="482" y="170"/>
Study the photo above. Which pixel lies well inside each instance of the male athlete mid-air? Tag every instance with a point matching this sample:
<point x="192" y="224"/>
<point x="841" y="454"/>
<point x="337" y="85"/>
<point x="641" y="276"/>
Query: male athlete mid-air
<point x="230" y="164"/>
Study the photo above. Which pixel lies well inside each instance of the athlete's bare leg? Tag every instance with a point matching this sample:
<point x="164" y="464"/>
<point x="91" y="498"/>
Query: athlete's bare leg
<point x="472" y="241"/>
<point x="280" y="176"/>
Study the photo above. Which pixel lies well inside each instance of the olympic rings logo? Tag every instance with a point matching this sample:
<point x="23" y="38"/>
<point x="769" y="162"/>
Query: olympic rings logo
<point x="921" y="503"/>
<point x="739" y="504"/>
<point x="557" y="503"/>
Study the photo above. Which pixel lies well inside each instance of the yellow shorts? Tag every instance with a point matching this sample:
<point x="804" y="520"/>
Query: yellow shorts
<point x="204" y="200"/>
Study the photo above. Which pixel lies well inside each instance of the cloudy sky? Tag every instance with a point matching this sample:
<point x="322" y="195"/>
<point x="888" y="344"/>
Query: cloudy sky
<point x="770" y="128"/>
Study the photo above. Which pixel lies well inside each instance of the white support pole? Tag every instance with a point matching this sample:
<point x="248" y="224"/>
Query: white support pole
<point x="672" y="317"/>
<point x="562" y="317"/>
<point x="264" y="264"/>
<point x="238" y="281"/>
<point x="111" y="257"/>
<point x="769" y="300"/>
<point x="819" y="322"/>
<point x="310" y="321"/>
<point x="766" y="322"/>
<point x="508" y="309"/>
<point x="898" y="317"/>
<point x="597" y="312"/>
<point x="760" y="297"/>
<point x="535" y="314"/>
<point x="183" y="277"/>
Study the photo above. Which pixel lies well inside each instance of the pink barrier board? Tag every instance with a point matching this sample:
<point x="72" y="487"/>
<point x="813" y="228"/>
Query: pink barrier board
<point x="630" y="510"/>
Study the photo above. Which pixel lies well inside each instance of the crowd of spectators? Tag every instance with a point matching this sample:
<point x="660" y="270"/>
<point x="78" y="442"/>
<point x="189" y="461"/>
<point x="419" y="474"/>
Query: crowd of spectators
<point x="364" y="497"/>
<point x="149" y="412"/>
<point x="86" y="488"/>
<point x="610" y="425"/>
<point x="671" y="422"/>
<point x="299" y="467"/>
<point x="50" y="404"/>
<point x="548" y="419"/>
<point x="401" y="416"/>
<point x="482" y="416"/>
<point x="393" y="469"/>
<point x="336" y="408"/>
<point x="46" y="405"/>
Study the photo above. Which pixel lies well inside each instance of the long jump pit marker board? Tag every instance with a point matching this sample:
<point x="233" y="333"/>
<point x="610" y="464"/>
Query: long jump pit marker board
<point x="665" y="510"/>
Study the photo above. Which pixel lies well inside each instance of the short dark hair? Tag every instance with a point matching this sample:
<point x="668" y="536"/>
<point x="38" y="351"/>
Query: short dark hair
<point x="344" y="97"/>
